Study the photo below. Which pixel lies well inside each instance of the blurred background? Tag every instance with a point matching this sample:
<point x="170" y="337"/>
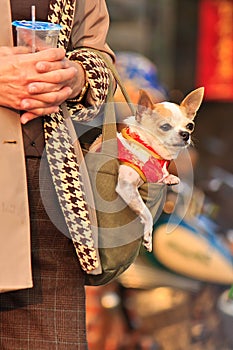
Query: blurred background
<point x="172" y="47"/>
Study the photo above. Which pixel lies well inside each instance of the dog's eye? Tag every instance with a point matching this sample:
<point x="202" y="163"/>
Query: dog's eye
<point x="190" y="126"/>
<point x="166" y="127"/>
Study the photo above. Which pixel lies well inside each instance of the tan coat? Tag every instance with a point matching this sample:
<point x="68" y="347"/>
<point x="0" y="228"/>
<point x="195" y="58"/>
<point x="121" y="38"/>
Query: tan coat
<point x="15" y="266"/>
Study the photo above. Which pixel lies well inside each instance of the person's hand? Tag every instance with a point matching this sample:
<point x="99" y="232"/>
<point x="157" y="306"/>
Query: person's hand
<point x="38" y="82"/>
<point x="7" y="50"/>
<point x="67" y="80"/>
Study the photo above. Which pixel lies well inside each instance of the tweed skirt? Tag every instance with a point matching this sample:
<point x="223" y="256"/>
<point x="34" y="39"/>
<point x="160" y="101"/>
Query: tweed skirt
<point x="51" y="315"/>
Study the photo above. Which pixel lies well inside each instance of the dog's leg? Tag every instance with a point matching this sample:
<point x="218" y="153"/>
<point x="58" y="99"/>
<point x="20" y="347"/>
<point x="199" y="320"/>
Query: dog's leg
<point x="127" y="188"/>
<point x="171" y="180"/>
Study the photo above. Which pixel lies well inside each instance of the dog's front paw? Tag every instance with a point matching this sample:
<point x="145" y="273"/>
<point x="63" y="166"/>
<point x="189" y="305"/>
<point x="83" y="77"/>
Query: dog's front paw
<point x="148" y="245"/>
<point x="171" y="180"/>
<point x="147" y="220"/>
<point x="147" y="242"/>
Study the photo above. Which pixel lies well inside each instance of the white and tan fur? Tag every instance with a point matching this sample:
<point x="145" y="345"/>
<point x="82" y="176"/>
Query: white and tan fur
<point x="167" y="128"/>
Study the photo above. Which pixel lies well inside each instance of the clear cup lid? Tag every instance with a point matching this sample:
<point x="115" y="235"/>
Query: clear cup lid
<point x="37" y="25"/>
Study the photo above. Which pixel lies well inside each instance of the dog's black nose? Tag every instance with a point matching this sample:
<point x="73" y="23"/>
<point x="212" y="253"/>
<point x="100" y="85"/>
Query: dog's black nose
<point x="184" y="135"/>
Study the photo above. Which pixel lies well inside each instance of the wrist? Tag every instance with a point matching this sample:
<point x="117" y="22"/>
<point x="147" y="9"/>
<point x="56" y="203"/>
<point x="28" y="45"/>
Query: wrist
<point x="82" y="85"/>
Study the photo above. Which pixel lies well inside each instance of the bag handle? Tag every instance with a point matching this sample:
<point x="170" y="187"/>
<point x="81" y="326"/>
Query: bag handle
<point x="117" y="77"/>
<point x="109" y="130"/>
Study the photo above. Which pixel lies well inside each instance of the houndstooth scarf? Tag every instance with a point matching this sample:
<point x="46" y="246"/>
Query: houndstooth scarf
<point x="60" y="151"/>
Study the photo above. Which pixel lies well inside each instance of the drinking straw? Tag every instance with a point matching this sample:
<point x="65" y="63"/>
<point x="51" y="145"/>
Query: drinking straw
<point x="33" y="13"/>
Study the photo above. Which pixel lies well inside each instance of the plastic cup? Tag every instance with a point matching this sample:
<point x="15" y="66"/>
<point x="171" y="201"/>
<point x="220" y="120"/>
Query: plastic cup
<point x="37" y="35"/>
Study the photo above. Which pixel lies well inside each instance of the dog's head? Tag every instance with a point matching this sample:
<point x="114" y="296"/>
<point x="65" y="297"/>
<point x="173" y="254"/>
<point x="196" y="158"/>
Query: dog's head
<point x="169" y="123"/>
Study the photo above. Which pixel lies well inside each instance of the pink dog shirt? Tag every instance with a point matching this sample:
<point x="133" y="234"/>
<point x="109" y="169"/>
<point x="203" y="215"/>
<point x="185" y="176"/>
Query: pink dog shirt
<point x="150" y="166"/>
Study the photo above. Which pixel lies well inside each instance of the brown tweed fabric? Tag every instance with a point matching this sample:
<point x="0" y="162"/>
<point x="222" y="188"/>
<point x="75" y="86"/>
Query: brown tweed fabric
<point x="51" y="315"/>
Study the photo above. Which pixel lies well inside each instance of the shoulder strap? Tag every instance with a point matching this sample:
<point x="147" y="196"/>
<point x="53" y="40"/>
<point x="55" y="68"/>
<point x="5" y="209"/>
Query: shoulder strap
<point x="109" y="130"/>
<point x="116" y="75"/>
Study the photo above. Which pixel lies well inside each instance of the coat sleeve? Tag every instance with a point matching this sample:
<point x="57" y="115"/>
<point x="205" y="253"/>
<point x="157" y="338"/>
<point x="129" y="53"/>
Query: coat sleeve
<point x="90" y="28"/>
<point x="91" y="24"/>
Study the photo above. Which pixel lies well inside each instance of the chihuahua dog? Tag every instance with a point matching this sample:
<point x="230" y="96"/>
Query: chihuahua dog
<point x="147" y="144"/>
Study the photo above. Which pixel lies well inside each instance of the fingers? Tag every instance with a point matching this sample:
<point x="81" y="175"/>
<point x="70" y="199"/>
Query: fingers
<point x="45" y="66"/>
<point x="50" y="89"/>
<point x="20" y="50"/>
<point x="50" y="55"/>
<point x="42" y="88"/>
<point x="54" y="79"/>
<point x="54" y="98"/>
<point x="6" y="50"/>
<point x="28" y="116"/>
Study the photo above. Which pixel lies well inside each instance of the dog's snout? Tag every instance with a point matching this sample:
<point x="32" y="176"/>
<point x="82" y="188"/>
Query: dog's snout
<point x="184" y="135"/>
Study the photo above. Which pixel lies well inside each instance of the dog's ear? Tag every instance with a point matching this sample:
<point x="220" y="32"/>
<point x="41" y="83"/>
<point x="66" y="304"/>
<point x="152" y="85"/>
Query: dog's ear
<point x="144" y="105"/>
<point x="193" y="101"/>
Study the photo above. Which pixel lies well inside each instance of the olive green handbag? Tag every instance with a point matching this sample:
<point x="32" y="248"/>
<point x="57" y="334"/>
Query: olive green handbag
<point x="120" y="231"/>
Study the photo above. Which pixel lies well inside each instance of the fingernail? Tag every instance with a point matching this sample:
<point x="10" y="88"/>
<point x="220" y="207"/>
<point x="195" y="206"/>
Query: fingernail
<point x="32" y="89"/>
<point x="23" y="120"/>
<point x="41" y="66"/>
<point x="25" y="104"/>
